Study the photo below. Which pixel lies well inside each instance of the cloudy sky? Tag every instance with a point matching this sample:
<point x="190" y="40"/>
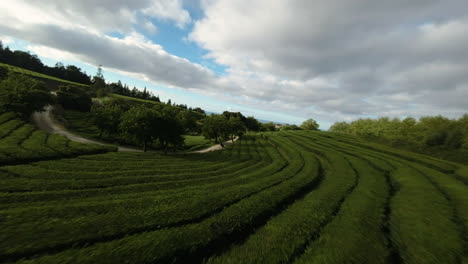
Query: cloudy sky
<point x="279" y="60"/>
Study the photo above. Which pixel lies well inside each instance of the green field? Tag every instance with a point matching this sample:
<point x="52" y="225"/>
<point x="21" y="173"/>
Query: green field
<point x="21" y="142"/>
<point x="12" y="68"/>
<point x="285" y="197"/>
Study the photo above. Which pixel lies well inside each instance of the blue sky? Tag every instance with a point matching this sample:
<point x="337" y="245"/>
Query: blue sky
<point x="284" y="61"/>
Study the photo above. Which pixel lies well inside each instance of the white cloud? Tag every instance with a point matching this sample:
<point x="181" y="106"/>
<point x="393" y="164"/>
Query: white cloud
<point x="373" y="57"/>
<point x="326" y="59"/>
<point x="169" y="10"/>
<point x="104" y="16"/>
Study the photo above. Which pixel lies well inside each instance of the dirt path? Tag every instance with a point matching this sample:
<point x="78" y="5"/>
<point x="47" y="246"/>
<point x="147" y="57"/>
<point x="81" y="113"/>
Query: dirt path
<point x="215" y="147"/>
<point x="44" y="121"/>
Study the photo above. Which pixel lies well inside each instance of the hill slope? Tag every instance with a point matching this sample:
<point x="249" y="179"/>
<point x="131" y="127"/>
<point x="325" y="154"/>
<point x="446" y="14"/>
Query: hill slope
<point x="283" y="197"/>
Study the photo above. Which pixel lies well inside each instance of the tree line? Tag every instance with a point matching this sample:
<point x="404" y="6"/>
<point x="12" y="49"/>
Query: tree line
<point x="427" y="134"/>
<point x="32" y="62"/>
<point x="127" y="121"/>
<point x="132" y="122"/>
<point x="73" y="73"/>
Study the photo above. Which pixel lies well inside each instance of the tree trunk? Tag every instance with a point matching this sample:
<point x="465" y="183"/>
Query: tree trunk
<point x="144" y="146"/>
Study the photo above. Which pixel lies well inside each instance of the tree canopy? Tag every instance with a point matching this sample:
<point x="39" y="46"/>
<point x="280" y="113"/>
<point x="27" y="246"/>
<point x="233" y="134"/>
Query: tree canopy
<point x="140" y="123"/>
<point x="23" y="95"/>
<point x="436" y="131"/>
<point x="310" y="124"/>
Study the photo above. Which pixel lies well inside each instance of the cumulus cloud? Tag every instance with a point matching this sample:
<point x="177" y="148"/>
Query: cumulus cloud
<point x="362" y="49"/>
<point x="132" y="54"/>
<point x="106" y="16"/>
<point x="331" y="60"/>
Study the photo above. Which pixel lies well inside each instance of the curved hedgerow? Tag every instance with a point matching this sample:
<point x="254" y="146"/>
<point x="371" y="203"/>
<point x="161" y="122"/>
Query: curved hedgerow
<point x="285" y="197"/>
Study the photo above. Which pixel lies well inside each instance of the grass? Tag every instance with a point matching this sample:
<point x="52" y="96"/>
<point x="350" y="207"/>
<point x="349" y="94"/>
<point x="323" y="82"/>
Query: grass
<point x="196" y="142"/>
<point x="15" y="69"/>
<point x="285" y="197"/>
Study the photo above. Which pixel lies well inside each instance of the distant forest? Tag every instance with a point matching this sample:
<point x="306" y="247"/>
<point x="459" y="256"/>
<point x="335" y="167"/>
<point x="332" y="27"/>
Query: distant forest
<point x="73" y="73"/>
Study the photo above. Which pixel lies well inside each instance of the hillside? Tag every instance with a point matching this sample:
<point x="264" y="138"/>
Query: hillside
<point x="43" y="77"/>
<point x="21" y="142"/>
<point x="296" y="197"/>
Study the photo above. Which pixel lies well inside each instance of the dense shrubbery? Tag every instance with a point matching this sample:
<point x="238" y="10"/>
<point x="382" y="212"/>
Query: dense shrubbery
<point x="427" y="131"/>
<point x="286" y="197"/>
<point x="439" y="136"/>
<point x="74" y="98"/>
<point x="23" y="95"/>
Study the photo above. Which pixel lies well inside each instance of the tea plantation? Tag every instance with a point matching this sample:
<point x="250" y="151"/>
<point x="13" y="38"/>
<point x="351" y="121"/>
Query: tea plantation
<point x="279" y="197"/>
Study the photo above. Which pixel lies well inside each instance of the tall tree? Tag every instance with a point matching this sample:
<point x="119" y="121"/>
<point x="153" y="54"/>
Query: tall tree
<point x="215" y="127"/>
<point x="310" y="124"/>
<point x="170" y="130"/>
<point x="140" y="123"/>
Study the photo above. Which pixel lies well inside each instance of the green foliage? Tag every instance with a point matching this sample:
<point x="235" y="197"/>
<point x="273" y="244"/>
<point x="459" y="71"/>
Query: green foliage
<point x="169" y="130"/>
<point x="289" y="127"/>
<point x="191" y="121"/>
<point x="23" y="95"/>
<point x="74" y="98"/>
<point x="140" y="124"/>
<point x="195" y="202"/>
<point x="214" y="128"/>
<point x="99" y="83"/>
<point x="252" y="124"/>
<point x="107" y="118"/>
<point x="223" y="127"/>
<point x="268" y="127"/>
<point x="3" y="72"/>
<point x="310" y="124"/>
<point x="436" y="135"/>
<point x="21" y="143"/>
<point x="284" y="197"/>
<point x="235" y="127"/>
<point x="146" y="125"/>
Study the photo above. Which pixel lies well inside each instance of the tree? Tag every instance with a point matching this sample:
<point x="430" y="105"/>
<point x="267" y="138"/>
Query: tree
<point x="214" y="127"/>
<point x="341" y="127"/>
<point x="99" y="83"/>
<point x="289" y="127"/>
<point x="74" y="98"/>
<point x="191" y="121"/>
<point x="140" y="123"/>
<point x="310" y="124"/>
<point x="107" y="118"/>
<point x="23" y="95"/>
<point x="235" y="127"/>
<point x="252" y="124"/>
<point x="268" y="127"/>
<point x="170" y="130"/>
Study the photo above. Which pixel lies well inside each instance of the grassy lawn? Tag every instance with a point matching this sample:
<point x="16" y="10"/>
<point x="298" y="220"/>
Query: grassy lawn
<point x="196" y="142"/>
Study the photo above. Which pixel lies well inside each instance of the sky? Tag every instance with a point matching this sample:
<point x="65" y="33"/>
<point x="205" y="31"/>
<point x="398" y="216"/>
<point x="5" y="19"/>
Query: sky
<point x="278" y="60"/>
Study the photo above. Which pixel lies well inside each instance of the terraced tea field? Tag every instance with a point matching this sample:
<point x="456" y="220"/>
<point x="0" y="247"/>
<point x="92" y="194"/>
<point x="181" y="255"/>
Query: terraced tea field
<point x="21" y="142"/>
<point x="284" y="197"/>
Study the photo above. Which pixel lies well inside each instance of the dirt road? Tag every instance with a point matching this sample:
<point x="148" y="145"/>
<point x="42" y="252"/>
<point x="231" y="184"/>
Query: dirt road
<point x="44" y="121"/>
<point x="215" y="147"/>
